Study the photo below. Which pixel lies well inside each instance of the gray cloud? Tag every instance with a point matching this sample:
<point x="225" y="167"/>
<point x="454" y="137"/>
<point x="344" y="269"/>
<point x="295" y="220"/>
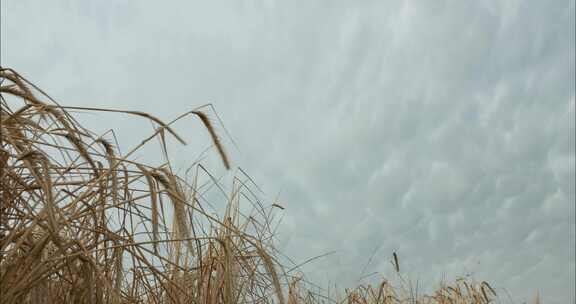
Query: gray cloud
<point x="444" y="131"/>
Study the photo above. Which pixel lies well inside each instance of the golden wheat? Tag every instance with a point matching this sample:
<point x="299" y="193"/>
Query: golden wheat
<point x="80" y="223"/>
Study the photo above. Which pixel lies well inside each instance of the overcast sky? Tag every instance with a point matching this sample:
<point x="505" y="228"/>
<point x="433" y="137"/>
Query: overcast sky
<point x="442" y="130"/>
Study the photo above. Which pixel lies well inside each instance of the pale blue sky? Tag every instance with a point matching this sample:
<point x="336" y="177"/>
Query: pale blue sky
<point x="443" y="130"/>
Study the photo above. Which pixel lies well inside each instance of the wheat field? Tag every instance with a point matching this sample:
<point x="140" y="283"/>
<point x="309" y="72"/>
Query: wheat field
<point x="83" y="223"/>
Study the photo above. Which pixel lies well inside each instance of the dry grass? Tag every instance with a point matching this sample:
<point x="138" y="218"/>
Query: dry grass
<point x="81" y="223"/>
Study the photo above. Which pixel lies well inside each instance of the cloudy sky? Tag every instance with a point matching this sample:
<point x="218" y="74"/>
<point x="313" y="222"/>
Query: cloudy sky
<point x="442" y="130"/>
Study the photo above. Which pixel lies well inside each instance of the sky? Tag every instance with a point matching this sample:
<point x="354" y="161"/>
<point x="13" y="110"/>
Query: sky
<point x="440" y="130"/>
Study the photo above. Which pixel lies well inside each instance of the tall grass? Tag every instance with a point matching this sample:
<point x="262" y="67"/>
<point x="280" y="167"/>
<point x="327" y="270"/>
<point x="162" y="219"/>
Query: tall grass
<point x="82" y="223"/>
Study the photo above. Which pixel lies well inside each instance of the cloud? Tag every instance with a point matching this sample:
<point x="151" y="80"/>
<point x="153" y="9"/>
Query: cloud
<point x="443" y="131"/>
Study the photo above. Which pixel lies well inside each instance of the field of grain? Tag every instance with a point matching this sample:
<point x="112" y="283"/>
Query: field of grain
<point x="82" y="223"/>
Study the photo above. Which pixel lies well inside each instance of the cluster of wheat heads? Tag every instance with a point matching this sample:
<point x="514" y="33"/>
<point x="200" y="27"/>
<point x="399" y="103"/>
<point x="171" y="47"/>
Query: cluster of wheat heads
<point x="82" y="223"/>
